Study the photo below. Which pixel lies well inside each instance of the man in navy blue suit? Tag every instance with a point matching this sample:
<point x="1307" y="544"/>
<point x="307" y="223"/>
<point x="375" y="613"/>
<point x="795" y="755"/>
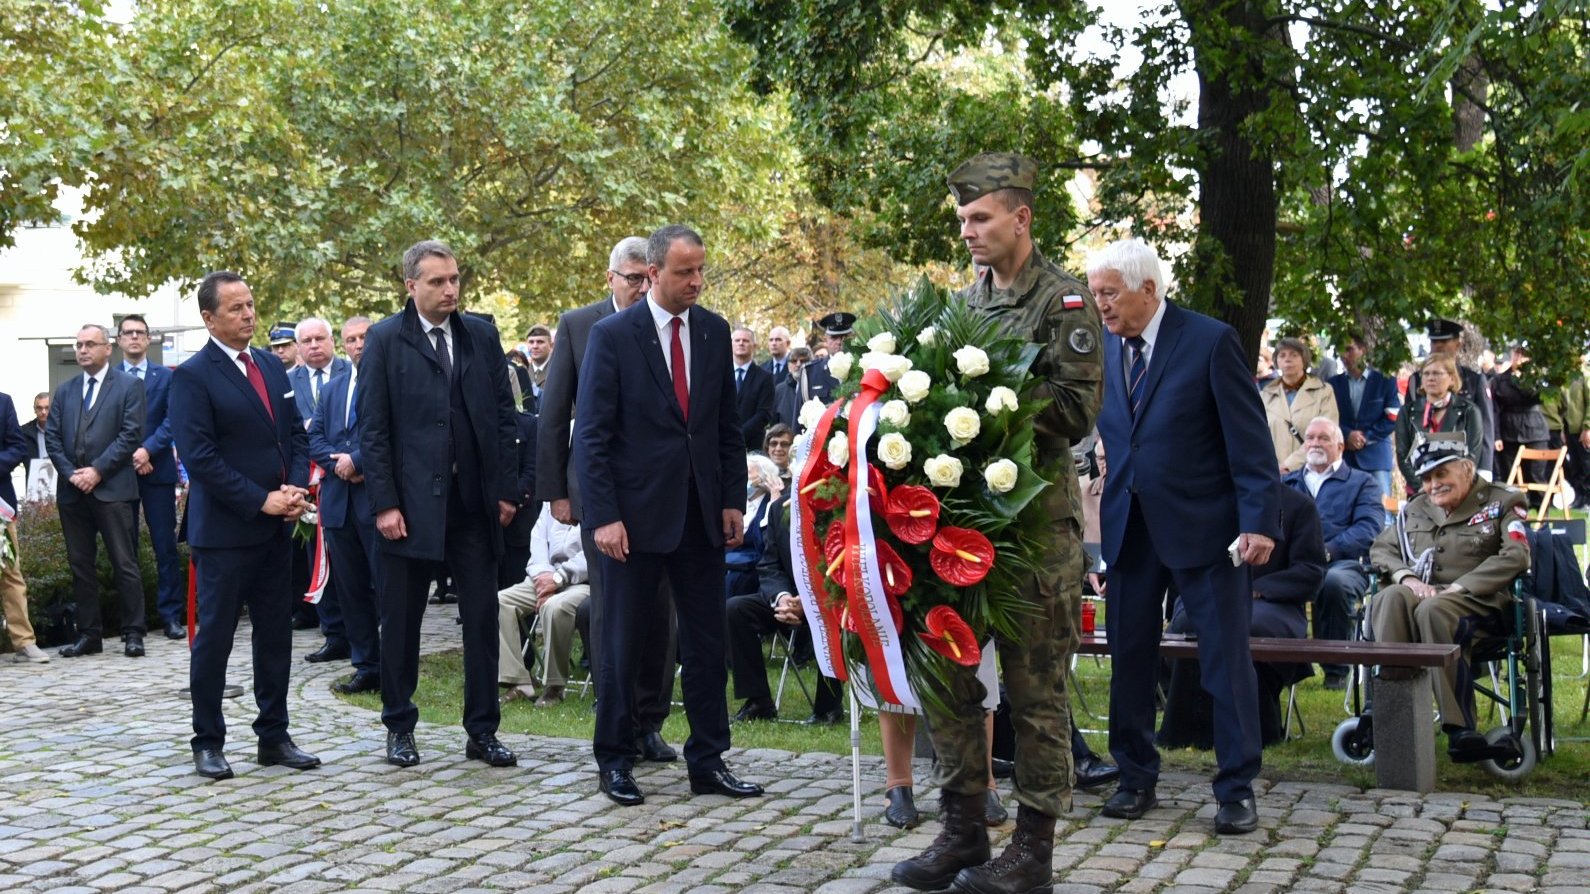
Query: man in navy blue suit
<point x="156" y="466"/>
<point x="318" y="366"/>
<point x="1367" y="405"/>
<point x="661" y="466"/>
<point x="441" y="471"/>
<point x="1171" y="513"/>
<point x="345" y="515"/>
<point x="242" y="442"/>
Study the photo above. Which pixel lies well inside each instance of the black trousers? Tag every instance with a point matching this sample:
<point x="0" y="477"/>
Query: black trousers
<point x="401" y="584"/>
<point x="117" y="522"/>
<point x="654" y="681"/>
<point x="632" y="611"/>
<point x="159" y="504"/>
<point x="354" y="550"/>
<point x="259" y="578"/>
<point x="749" y="618"/>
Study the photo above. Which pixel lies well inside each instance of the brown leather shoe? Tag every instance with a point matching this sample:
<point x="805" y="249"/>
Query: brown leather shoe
<point x="1025" y="866"/>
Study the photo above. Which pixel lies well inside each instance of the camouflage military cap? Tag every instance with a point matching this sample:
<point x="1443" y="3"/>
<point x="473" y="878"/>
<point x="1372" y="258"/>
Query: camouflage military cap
<point x="990" y="172"/>
<point x="1437" y="450"/>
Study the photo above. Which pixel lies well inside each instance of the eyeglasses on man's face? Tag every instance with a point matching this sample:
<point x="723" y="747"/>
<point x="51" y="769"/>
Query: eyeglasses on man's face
<point x="634" y="279"/>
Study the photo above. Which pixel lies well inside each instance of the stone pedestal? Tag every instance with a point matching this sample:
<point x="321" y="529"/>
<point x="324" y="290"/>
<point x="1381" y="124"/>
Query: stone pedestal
<point x="1405" y="733"/>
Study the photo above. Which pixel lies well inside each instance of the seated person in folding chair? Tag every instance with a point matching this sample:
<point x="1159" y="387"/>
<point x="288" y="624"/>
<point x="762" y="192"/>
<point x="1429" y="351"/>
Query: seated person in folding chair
<point x="1282" y="587"/>
<point x="774" y="608"/>
<point x="762" y="486"/>
<point x="554" y="587"/>
<point x="1451" y="557"/>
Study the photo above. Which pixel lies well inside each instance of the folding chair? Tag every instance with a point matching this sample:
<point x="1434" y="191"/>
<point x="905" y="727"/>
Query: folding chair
<point x="1554" y="486"/>
<point x="783" y="646"/>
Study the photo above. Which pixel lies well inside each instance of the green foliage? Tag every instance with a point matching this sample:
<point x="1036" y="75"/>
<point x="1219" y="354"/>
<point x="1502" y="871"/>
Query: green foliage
<point x="306" y="145"/>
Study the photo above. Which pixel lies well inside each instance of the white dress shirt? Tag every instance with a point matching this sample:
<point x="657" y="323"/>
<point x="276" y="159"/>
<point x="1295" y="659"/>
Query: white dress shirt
<point x="1314" y="479"/>
<point x="1150" y="334"/>
<point x="99" y="385"/>
<point x="663" y="320"/>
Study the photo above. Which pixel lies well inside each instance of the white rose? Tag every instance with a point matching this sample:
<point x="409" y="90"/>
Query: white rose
<point x="839" y="365"/>
<point x="839" y="449"/>
<point x="896" y="413"/>
<point x="943" y="470"/>
<point x="972" y="362"/>
<point x="893" y="366"/>
<point x="882" y="343"/>
<point x="894" y="450"/>
<point x="811" y="412"/>
<point x="1001" y="476"/>
<point x="1000" y="400"/>
<point x="963" y="423"/>
<point x="915" y="385"/>
<point x="927" y="336"/>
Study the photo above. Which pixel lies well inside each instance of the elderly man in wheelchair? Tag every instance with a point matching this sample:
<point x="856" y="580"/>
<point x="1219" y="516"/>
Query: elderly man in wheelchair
<point x="1451" y="558"/>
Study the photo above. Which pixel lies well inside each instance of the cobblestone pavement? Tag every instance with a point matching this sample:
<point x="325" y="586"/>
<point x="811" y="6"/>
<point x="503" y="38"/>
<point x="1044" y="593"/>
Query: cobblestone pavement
<point x="97" y="793"/>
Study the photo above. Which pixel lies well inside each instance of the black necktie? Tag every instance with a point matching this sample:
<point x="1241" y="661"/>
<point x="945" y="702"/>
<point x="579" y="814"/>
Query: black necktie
<point x="442" y="359"/>
<point x="1136" y="377"/>
<point x="88" y="396"/>
<point x="739" y="379"/>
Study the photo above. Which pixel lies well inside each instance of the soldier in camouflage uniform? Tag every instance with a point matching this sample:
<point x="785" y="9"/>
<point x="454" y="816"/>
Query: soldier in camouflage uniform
<point x="1038" y="301"/>
<point x="1451" y="557"/>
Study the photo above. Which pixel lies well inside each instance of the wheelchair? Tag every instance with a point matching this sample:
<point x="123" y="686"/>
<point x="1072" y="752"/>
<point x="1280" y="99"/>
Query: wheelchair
<point x="1515" y="682"/>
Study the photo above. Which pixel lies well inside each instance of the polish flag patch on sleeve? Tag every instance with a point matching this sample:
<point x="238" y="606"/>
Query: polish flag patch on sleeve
<point x="1073" y="302"/>
<point x="1517" y="531"/>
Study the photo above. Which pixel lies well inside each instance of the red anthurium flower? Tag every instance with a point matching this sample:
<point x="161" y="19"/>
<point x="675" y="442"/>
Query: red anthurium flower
<point x="961" y="556"/>
<point x="834" y="551"/>
<point x="877" y="491"/>
<point x="897" y="614"/>
<point x="913" y="513"/>
<point x="895" y="572"/>
<point x="949" y="635"/>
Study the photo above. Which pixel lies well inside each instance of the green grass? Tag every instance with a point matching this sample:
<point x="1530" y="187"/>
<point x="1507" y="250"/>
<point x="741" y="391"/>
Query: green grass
<point x="1306" y="759"/>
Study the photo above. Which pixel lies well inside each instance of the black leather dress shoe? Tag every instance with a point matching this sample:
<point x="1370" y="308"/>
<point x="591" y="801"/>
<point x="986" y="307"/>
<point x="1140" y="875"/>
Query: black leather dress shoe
<point x="1237" y="817"/>
<point x="756" y="709"/>
<point x="619" y="786"/>
<point x="901" y="812"/>
<point x="287" y="755"/>
<point x="211" y="764"/>
<point x="364" y="682"/>
<point x="330" y="651"/>
<point x="487" y="748"/>
<point x="1465" y="746"/>
<point x="133" y="645"/>
<point x="654" y="749"/>
<point x="826" y="718"/>
<point x="722" y="782"/>
<point x="1130" y="803"/>
<point x="1002" y="769"/>
<point x="1093" y="771"/>
<point x="85" y="645"/>
<point x="175" y="630"/>
<point x="401" y="750"/>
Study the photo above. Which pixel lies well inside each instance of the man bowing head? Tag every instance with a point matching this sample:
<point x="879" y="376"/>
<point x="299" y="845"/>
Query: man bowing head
<point x="661" y="464"/>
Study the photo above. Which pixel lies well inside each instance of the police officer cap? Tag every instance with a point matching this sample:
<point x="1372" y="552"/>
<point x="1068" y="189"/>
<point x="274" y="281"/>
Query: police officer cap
<point x="1445" y="330"/>
<point x="1436" y="450"/>
<point x="838" y="323"/>
<point x="282" y="333"/>
<point x="990" y="172"/>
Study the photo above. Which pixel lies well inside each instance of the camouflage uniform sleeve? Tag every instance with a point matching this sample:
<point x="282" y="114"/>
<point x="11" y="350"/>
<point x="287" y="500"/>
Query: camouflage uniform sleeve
<point x="1070" y="364"/>
<point x="1496" y="573"/>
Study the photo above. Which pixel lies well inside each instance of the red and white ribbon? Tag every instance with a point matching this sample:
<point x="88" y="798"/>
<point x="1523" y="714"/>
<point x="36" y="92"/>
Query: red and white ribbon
<point x="320" y="562"/>
<point x="821" y="618"/>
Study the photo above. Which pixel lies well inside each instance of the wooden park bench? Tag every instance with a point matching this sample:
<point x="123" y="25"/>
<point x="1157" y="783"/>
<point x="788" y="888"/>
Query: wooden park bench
<point x="1404" y="727"/>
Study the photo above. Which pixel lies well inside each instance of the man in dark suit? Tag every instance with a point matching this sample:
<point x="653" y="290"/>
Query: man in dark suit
<point x="97" y="423"/>
<point x="661" y="466"/>
<point x="345" y="516"/>
<point x="556" y="481"/>
<point x="774" y="608"/>
<point x="1169" y="515"/>
<point x="778" y="353"/>
<point x="37" y="461"/>
<point x="244" y="447"/>
<point x="440" y="467"/>
<point x="1367" y="405"/>
<point x="753" y="389"/>
<point x="516" y="537"/>
<point x="318" y="366"/>
<point x="156" y="465"/>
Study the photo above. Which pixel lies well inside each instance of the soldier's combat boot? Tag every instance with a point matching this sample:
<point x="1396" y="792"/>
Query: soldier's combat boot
<point x="962" y="842"/>
<point x="1026" y="866"/>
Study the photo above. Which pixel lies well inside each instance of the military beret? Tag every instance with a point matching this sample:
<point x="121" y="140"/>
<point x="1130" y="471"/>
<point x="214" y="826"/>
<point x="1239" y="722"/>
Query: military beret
<point x="990" y="172"/>
<point x="1444" y="330"/>
<point x="282" y="333"/>
<point x="838" y="323"/>
<point x="1435" y="450"/>
<point x="539" y="329"/>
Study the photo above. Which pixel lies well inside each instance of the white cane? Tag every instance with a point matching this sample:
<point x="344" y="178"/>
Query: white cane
<point x="855" y="761"/>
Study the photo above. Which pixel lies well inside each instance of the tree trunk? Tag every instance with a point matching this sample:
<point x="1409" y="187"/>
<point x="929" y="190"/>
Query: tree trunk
<point x="1234" y="257"/>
